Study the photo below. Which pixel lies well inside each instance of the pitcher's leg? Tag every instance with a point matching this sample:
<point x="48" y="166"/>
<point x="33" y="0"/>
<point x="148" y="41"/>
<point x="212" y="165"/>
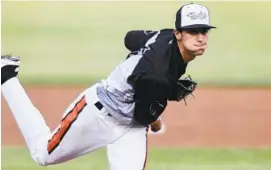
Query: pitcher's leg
<point x="80" y="130"/>
<point x="130" y="151"/>
<point x="29" y="120"/>
<point x="78" y="133"/>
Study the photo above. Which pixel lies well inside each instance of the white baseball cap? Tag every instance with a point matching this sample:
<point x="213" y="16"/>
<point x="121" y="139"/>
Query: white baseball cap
<point x="193" y="16"/>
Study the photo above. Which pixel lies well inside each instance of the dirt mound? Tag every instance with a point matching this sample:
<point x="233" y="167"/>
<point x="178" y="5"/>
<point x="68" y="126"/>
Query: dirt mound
<point x="217" y="117"/>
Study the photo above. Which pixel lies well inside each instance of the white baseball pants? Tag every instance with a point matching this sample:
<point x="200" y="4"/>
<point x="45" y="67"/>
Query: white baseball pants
<point x="83" y="129"/>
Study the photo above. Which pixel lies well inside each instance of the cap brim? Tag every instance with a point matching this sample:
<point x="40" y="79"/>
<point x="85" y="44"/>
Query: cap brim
<point x="197" y="26"/>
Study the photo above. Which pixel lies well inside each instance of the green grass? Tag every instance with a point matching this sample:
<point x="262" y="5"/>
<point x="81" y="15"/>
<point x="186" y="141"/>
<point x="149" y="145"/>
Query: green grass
<point x="62" y="41"/>
<point x="159" y="159"/>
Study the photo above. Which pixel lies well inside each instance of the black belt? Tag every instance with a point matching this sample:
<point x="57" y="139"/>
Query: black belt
<point x="99" y="105"/>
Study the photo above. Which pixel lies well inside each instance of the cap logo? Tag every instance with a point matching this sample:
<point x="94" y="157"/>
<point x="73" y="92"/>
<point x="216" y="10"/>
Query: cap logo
<point x="194" y="15"/>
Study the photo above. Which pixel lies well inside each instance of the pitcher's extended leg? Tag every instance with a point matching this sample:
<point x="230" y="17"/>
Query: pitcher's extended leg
<point x="78" y="133"/>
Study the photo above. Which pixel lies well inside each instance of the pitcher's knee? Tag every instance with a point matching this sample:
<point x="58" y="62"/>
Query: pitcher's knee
<point x="42" y="158"/>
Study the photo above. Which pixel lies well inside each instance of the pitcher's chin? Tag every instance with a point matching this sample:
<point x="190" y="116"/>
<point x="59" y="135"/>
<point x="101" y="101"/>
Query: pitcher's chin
<point x="199" y="52"/>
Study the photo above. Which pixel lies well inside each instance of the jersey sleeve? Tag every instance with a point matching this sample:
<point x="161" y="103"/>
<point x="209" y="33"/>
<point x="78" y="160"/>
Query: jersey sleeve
<point x="150" y="88"/>
<point x="136" y="39"/>
<point x="150" y="77"/>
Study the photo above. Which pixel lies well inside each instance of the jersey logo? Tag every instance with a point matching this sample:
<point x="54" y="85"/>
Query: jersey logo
<point x="152" y="110"/>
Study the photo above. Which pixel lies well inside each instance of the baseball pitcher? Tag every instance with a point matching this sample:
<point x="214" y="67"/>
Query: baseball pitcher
<point x="116" y="112"/>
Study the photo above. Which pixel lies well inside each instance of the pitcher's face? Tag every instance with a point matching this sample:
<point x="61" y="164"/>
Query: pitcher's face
<point x="195" y="40"/>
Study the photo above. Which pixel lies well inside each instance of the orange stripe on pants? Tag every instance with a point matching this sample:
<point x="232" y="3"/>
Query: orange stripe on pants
<point x="65" y="125"/>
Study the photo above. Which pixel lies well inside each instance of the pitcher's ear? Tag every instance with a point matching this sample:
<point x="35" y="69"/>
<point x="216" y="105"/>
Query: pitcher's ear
<point x="178" y="35"/>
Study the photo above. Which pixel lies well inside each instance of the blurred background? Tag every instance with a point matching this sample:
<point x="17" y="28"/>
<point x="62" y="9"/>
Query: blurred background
<point x="67" y="46"/>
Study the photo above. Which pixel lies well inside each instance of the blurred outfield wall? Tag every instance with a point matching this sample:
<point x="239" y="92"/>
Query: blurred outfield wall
<point x="81" y="42"/>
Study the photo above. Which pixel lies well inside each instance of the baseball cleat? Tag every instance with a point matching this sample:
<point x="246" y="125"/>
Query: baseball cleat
<point x="9" y="67"/>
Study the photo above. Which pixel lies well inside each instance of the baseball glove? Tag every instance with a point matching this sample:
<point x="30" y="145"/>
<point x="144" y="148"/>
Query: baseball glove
<point x="185" y="87"/>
